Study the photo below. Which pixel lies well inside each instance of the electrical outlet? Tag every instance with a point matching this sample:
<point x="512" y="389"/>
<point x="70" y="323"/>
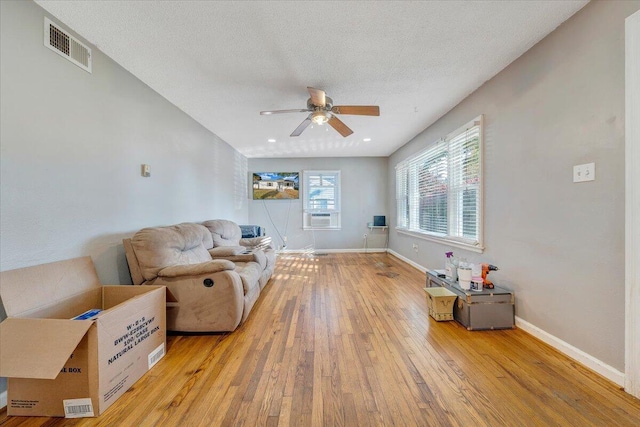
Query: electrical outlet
<point x="586" y="172"/>
<point x="415" y="247"/>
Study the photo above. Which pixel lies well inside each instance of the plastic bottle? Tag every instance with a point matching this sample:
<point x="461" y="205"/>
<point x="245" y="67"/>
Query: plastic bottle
<point x="476" y="270"/>
<point x="451" y="267"/>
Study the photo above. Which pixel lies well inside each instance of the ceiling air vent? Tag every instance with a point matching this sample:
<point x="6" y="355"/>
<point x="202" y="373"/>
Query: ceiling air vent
<point x="64" y="44"/>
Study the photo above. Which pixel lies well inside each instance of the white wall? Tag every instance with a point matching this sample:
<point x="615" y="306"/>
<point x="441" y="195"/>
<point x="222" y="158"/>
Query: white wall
<point x="364" y="194"/>
<point x="72" y="145"/>
<point x="559" y="245"/>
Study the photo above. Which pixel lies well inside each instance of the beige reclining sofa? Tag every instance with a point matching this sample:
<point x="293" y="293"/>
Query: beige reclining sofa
<point x="215" y="286"/>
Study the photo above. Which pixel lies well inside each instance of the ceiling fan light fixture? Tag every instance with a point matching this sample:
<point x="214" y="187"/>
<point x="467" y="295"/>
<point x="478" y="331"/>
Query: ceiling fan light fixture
<point x="321" y="110"/>
<point x="319" y="117"/>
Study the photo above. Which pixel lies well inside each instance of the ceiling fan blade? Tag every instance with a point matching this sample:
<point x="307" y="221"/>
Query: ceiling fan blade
<point x="337" y="124"/>
<point x="318" y="97"/>
<point x="264" y="113"/>
<point x="360" y="110"/>
<point x="306" y="122"/>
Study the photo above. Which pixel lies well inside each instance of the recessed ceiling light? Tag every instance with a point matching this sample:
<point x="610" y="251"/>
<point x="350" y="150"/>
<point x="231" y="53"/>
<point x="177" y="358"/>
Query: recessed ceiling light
<point x="367" y="139"/>
<point x="271" y="140"/>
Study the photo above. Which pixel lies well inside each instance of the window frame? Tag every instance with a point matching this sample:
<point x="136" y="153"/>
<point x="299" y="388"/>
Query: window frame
<point x="334" y="212"/>
<point x="408" y="195"/>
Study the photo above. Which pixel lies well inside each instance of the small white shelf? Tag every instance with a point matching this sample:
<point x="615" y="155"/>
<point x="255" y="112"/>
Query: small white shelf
<point x="385" y="229"/>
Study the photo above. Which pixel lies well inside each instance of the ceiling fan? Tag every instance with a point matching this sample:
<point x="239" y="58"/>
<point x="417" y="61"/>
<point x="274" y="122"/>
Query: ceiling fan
<point x="322" y="111"/>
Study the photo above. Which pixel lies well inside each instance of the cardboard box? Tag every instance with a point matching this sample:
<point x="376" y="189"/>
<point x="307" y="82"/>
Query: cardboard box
<point x="60" y="367"/>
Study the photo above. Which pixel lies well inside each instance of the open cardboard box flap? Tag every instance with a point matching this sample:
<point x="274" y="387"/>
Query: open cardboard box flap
<point x="24" y="341"/>
<point x="30" y="289"/>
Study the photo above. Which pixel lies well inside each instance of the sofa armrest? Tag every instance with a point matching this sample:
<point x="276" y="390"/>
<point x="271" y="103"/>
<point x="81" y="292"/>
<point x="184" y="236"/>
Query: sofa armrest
<point x="132" y="261"/>
<point x="256" y="242"/>
<point x="226" y="251"/>
<point x="256" y="255"/>
<point x="213" y="266"/>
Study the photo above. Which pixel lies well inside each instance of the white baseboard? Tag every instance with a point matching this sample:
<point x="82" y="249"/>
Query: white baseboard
<point x="3" y="400"/>
<point x="578" y="355"/>
<point x="358" y="250"/>
<point x="330" y="251"/>
<point x="407" y="260"/>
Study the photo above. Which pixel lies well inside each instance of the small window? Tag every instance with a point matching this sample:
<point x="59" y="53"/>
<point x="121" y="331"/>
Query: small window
<point x="439" y="190"/>
<point x="321" y="200"/>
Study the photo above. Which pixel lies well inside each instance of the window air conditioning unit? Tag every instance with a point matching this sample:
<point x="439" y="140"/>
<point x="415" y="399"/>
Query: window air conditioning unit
<point x="320" y="220"/>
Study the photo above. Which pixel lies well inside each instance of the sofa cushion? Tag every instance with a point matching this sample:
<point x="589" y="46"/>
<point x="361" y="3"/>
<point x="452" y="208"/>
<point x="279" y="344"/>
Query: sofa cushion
<point x="160" y="247"/>
<point x="224" y="232"/>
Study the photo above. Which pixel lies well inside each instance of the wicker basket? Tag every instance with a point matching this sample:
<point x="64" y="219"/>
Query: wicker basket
<point x="440" y="302"/>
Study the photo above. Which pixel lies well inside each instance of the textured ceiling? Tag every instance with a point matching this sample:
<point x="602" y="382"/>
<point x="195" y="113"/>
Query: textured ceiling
<point x="224" y="61"/>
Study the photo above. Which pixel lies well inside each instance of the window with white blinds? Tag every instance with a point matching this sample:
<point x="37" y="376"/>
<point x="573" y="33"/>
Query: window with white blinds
<point x="321" y="199"/>
<point x="439" y="190"/>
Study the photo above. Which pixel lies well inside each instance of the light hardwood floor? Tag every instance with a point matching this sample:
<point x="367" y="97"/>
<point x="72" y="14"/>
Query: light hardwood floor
<point x="345" y="339"/>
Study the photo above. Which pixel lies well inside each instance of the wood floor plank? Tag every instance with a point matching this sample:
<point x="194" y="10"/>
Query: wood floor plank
<point x="345" y="340"/>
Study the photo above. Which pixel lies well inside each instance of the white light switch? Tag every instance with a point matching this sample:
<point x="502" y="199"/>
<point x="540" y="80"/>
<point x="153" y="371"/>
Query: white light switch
<point x="145" y="171"/>
<point x="586" y="172"/>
